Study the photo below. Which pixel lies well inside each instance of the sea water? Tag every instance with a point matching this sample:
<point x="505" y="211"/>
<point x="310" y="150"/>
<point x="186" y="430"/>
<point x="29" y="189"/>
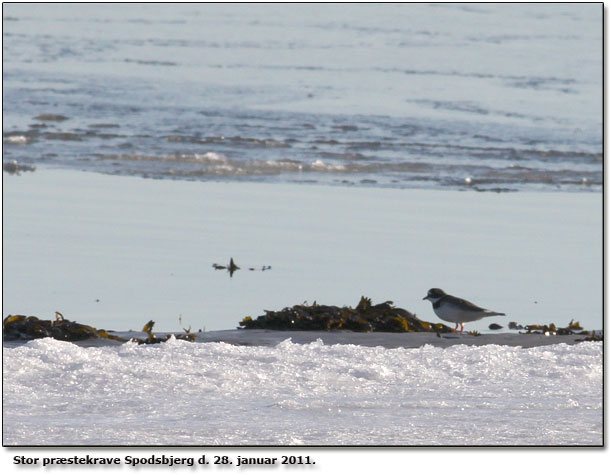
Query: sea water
<point x="445" y="97"/>
<point x="116" y="252"/>
<point x="487" y="97"/>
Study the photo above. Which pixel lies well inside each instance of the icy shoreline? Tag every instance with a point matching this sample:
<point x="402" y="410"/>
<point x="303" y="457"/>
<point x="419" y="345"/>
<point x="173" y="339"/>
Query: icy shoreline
<point x="182" y="393"/>
<point x="383" y="339"/>
<point x="373" y="339"/>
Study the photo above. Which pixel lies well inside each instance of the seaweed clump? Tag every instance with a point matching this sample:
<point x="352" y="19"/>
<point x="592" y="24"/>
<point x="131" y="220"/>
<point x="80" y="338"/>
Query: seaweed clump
<point x="591" y="336"/>
<point x="551" y="329"/>
<point x="152" y="339"/>
<point x="573" y="328"/>
<point x="20" y="327"/>
<point x="365" y="317"/>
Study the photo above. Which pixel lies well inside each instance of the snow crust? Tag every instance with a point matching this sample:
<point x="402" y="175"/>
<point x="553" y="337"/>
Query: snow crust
<point x="181" y="393"/>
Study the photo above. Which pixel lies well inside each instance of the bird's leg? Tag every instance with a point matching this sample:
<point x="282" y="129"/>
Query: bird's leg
<point x="462" y="327"/>
<point x="455" y="328"/>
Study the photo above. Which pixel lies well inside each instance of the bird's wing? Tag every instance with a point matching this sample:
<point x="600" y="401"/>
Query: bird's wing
<point x="464" y="303"/>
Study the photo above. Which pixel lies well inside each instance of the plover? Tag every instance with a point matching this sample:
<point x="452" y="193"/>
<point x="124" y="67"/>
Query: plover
<point x="456" y="310"/>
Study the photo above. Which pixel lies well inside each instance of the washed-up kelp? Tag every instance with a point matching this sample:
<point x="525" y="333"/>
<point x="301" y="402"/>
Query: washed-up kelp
<point x="591" y="336"/>
<point x="383" y="317"/>
<point x="573" y="328"/>
<point x="20" y="327"/>
<point x="151" y="338"/>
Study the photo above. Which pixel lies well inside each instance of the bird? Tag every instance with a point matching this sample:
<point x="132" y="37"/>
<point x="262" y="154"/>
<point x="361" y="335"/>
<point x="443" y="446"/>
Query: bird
<point x="456" y="310"/>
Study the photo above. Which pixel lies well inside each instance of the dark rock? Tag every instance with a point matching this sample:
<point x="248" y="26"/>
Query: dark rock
<point x="15" y="168"/>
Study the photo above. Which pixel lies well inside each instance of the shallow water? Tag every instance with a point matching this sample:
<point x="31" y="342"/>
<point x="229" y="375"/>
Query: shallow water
<point x="115" y="252"/>
<point x="489" y="97"/>
<point x="180" y="393"/>
<point x="502" y="97"/>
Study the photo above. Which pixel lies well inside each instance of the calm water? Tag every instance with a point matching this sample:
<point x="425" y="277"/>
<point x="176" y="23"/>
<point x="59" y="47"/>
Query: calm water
<point x="491" y="97"/>
<point x="116" y="252"/>
<point x="445" y="97"/>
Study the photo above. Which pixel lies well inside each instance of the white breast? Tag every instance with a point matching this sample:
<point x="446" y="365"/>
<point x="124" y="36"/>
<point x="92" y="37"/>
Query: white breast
<point x="454" y="314"/>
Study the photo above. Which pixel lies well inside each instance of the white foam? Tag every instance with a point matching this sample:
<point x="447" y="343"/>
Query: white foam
<point x="16" y="139"/>
<point x="210" y="157"/>
<point x="319" y="165"/>
<point x="215" y="393"/>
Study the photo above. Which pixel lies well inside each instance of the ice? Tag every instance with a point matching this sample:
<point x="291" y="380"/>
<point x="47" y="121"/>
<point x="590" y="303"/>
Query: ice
<point x="313" y="394"/>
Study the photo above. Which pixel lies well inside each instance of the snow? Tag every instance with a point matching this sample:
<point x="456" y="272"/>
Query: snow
<point x="181" y="393"/>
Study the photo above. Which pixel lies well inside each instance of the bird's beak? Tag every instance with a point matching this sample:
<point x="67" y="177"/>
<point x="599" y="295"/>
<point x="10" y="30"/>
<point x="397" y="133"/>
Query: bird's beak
<point x="426" y="298"/>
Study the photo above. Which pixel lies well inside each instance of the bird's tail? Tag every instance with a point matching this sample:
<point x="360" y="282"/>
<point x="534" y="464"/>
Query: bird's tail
<point x="490" y="313"/>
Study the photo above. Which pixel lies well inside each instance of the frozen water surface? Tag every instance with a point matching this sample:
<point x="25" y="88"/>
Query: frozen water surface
<point x="215" y="393"/>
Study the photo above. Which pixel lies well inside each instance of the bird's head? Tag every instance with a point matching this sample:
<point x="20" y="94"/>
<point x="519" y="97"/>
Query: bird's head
<point x="434" y="294"/>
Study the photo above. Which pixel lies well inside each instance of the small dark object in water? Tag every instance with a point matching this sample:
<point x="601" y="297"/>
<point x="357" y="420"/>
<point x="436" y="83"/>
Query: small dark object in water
<point x="495" y="326"/>
<point x="232" y="267"/>
<point x="474" y="333"/>
<point x="14" y="167"/>
<point x="365" y="317"/>
<point x="515" y="326"/>
<point x="51" y="117"/>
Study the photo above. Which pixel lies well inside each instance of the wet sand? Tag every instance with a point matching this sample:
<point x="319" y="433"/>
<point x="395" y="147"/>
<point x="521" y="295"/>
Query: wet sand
<point x="386" y="340"/>
<point x="376" y="339"/>
<point x="338" y="337"/>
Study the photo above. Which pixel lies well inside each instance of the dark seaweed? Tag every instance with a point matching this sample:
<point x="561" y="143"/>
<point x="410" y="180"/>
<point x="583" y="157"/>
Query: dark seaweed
<point x="573" y="328"/>
<point x="383" y="317"/>
<point x="20" y="327"/>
